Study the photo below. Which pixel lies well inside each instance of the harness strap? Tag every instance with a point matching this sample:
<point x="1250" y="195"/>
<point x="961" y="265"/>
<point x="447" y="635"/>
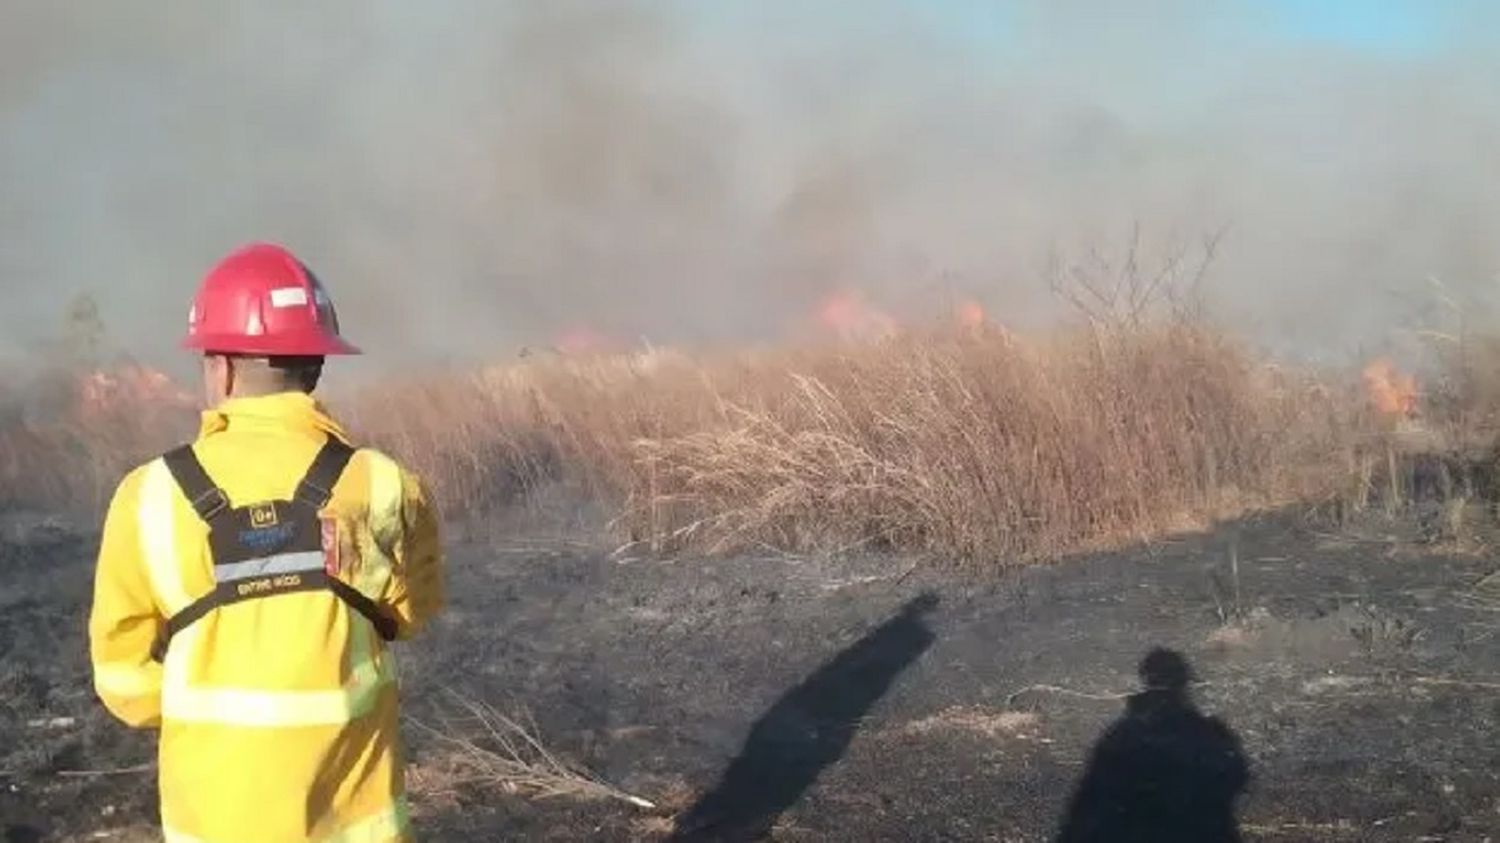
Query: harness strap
<point x="207" y="498"/>
<point x="384" y="624"/>
<point x="224" y="594"/>
<point x="260" y="575"/>
<point x="317" y="484"/>
<point x="227" y="593"/>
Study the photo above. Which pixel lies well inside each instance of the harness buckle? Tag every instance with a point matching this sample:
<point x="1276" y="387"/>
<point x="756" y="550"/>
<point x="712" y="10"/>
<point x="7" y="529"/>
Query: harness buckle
<point x="312" y="494"/>
<point x="211" y="503"/>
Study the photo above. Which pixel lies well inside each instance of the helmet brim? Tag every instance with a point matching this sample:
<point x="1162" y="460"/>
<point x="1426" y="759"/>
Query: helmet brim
<point x="324" y="345"/>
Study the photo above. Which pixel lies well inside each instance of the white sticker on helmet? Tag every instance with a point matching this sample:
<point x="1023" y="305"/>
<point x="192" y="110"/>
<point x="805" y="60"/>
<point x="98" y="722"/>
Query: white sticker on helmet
<point x="289" y="297"/>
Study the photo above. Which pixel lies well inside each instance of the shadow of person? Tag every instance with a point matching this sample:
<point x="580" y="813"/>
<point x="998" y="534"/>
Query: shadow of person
<point x="807" y="729"/>
<point x="1163" y="772"/>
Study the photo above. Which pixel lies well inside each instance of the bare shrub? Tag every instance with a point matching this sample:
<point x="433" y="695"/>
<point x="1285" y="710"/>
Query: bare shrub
<point x="1124" y="288"/>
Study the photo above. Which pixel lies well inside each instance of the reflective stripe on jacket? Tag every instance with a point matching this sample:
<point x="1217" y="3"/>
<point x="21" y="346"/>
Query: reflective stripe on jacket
<point x="278" y="716"/>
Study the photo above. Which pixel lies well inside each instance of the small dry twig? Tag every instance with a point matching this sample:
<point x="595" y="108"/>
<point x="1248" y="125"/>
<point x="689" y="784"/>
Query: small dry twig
<point x="1459" y="683"/>
<point x="1108" y="696"/>
<point x="120" y="771"/>
<point x="1340" y="827"/>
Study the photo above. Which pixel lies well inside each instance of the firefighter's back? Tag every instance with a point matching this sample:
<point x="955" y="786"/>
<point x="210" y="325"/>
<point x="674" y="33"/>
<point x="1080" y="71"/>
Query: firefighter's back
<point x="279" y="714"/>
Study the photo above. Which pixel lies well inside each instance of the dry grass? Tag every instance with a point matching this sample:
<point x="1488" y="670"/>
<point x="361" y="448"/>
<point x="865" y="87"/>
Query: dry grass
<point x="978" y="448"/>
<point x="973" y="446"/>
<point x="481" y="747"/>
<point x="65" y="443"/>
<point x="979" y="721"/>
<point x="965" y="445"/>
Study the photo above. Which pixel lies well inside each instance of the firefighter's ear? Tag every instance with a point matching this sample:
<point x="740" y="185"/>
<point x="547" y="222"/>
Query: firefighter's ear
<point x="231" y="375"/>
<point x="218" y="379"/>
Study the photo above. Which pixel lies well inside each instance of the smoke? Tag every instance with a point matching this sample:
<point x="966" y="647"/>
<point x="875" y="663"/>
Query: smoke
<point x="472" y="177"/>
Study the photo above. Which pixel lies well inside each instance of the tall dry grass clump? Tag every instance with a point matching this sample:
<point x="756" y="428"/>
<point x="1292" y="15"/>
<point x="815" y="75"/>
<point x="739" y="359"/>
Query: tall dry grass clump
<point x="972" y="445"/>
<point x="980" y="447"/>
<point x="497" y="435"/>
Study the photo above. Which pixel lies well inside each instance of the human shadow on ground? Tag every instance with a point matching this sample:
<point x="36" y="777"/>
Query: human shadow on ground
<point x="1163" y="772"/>
<point x="807" y="729"/>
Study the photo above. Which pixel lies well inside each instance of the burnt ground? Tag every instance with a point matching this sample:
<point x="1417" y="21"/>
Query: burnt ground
<point x="1345" y="686"/>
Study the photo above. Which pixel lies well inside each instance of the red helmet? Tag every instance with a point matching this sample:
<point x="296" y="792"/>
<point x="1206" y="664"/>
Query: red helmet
<point x="262" y="301"/>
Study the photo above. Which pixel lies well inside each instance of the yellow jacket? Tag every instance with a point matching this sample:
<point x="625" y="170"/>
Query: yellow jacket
<point x="278" y="716"/>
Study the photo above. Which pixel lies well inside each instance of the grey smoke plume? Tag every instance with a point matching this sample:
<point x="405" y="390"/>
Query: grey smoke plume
<point x="472" y="177"/>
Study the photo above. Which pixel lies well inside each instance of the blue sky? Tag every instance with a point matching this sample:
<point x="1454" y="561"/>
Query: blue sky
<point x="1379" y="29"/>
<point x="1400" y="26"/>
<point x="1379" y="26"/>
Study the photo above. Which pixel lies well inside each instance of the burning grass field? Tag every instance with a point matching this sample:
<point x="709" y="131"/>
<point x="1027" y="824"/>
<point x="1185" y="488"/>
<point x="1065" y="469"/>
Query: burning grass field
<point x="789" y="592"/>
<point x="972" y="445"/>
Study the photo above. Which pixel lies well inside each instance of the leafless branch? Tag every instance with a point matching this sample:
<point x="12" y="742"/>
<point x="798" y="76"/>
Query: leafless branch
<point x="1120" y="294"/>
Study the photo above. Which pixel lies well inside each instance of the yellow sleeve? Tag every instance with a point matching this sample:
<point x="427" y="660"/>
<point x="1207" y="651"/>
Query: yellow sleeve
<point x="416" y="590"/>
<point x="124" y="620"/>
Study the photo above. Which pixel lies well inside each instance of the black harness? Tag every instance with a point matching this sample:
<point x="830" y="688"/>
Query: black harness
<point x="269" y="548"/>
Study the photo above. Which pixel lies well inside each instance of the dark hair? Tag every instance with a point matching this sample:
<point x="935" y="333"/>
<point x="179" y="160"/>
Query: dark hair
<point x="277" y="373"/>
<point x="304" y="372"/>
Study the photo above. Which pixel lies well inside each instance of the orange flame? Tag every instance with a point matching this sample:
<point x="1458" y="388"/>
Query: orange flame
<point x="127" y="388"/>
<point x="581" y="340"/>
<point x="970" y="315"/>
<point x="1392" y="392"/>
<point x="847" y="314"/>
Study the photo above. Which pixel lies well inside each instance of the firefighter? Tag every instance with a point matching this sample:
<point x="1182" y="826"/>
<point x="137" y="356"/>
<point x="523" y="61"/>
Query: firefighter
<point x="248" y="585"/>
